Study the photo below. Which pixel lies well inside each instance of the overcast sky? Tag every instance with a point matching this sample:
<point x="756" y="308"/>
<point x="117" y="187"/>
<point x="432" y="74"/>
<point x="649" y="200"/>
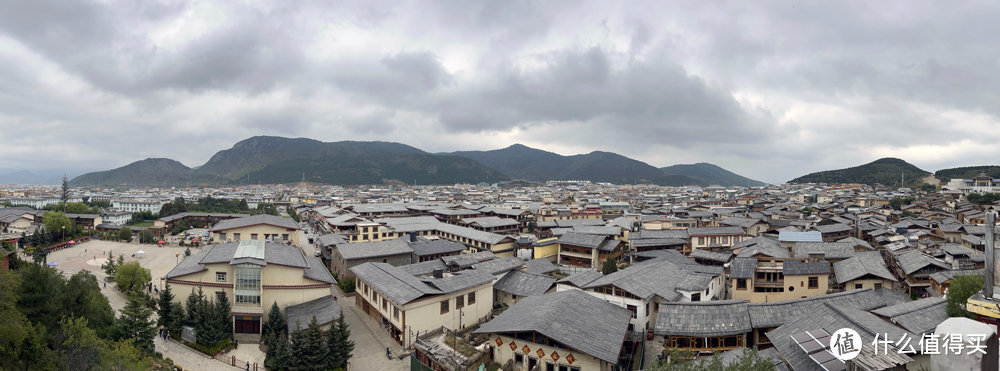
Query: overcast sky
<point x="770" y="90"/>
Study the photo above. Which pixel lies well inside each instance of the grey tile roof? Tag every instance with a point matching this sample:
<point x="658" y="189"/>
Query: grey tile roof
<point x="659" y="277"/>
<point x="798" y="268"/>
<point x="857" y="242"/>
<point x="524" y="284"/>
<point x="757" y="241"/>
<point x="730" y="357"/>
<point x="424" y="268"/>
<point x="583" y="322"/>
<point x="598" y="230"/>
<point x="276" y="221"/>
<point x="923" y="320"/>
<point x="317" y="271"/>
<point x="787" y="236"/>
<point x="582" y="240"/>
<point x="864" y="263"/>
<point x="362" y="250"/>
<point x="715" y="231"/>
<point x="491" y="221"/>
<point x="743" y="267"/>
<point x="330" y="240"/>
<point x="467" y="260"/>
<point x="833" y="228"/>
<point x="912" y="260"/>
<point x="393" y="283"/>
<point x="831" y="250"/>
<point x="433" y="247"/>
<point x="708" y="318"/>
<point x="500" y="265"/>
<point x="659" y="233"/>
<point x="829" y="317"/>
<point x="765" y="315"/>
<point x="539" y="266"/>
<point x="907" y="307"/>
<point x="460" y="281"/>
<point x="944" y="276"/>
<point x="721" y="257"/>
<point x="324" y="308"/>
<point x="582" y="279"/>
<point x="766" y="250"/>
<point x="279" y="254"/>
<point x="610" y="245"/>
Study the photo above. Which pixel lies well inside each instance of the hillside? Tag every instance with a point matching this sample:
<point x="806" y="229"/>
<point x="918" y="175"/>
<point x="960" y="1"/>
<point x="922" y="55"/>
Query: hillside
<point x="528" y="163"/>
<point x="712" y="174"/>
<point x="885" y="171"/>
<point x="967" y="172"/>
<point x="151" y="171"/>
<point x="285" y="160"/>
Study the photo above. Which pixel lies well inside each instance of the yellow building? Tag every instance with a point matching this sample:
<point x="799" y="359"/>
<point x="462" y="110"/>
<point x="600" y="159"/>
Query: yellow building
<point x="257" y="227"/>
<point x="559" y="331"/>
<point x="759" y="281"/>
<point x="410" y="306"/>
<point x="545" y="247"/>
<point x="866" y="270"/>
<point x="253" y="275"/>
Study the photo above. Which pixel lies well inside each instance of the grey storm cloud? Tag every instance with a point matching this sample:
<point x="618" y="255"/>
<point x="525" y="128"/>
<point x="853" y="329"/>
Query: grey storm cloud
<point x="769" y="90"/>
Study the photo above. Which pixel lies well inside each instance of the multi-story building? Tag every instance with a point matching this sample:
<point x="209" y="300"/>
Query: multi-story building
<point x="758" y="280"/>
<point x="253" y="275"/>
<point x="980" y="184"/>
<point x="257" y="227"/>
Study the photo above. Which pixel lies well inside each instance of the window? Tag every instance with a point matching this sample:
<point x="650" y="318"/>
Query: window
<point x="220" y="276"/>
<point x="878" y="286"/>
<point x="236" y="236"/>
<point x="219" y="296"/>
<point x="385" y="304"/>
<point x="741" y="283"/>
<point x="472" y="298"/>
<point x="253" y="236"/>
<point x="813" y="282"/>
<point x="857" y="286"/>
<point x="222" y="236"/>
<point x="696" y="296"/>
<point x="791" y="288"/>
<point x="634" y="310"/>
<point x="444" y="306"/>
<point x="459" y="302"/>
<point x="518" y="360"/>
<point x="284" y="236"/>
<point x="247" y="287"/>
<point x="395" y="313"/>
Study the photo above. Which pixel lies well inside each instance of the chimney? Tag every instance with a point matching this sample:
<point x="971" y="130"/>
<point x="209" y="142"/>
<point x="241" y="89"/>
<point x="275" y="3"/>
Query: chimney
<point x="439" y="273"/>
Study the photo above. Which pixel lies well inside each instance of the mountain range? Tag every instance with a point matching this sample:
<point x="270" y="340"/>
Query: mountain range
<point x="267" y="159"/>
<point x="885" y="171"/>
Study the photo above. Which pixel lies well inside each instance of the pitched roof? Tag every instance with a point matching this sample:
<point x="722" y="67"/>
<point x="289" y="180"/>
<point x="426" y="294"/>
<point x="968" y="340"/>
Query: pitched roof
<point x="833" y="228"/>
<point x="524" y="284"/>
<point x="944" y="276"/>
<point x="660" y="277"/>
<point x="424" y="268"/>
<point x="920" y="316"/>
<point x="773" y="314"/>
<point x="325" y="308"/>
<point x="715" y="231"/>
<point x="460" y="281"/>
<point x="787" y="236"/>
<point x="582" y="239"/>
<point x="656" y="242"/>
<point x="567" y="317"/>
<point x="658" y="233"/>
<point x="743" y="267"/>
<point x="276" y="221"/>
<point x="912" y="260"/>
<point x="539" y="266"/>
<point x="721" y="257"/>
<point x="497" y="266"/>
<point x="703" y="318"/>
<point x="863" y="263"/>
<point x="362" y="250"/>
<point x="831" y="250"/>
<point x="582" y="278"/>
<point x="393" y="282"/>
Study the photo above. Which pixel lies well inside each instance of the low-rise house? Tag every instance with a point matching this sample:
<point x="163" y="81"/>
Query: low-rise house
<point x="558" y="331"/>
<point x="834" y="232"/>
<point x="914" y="268"/>
<point x="940" y="281"/>
<point x="409" y="305"/>
<point x="517" y="285"/>
<point x="588" y="250"/>
<point x="704" y="326"/>
<point x="789" y="239"/>
<point x="759" y="280"/>
<point x="257" y="227"/>
<point x="492" y="224"/>
<point x="345" y="256"/>
<point x="426" y="250"/>
<point x="715" y="238"/>
<point x="865" y="270"/>
<point x="920" y="316"/>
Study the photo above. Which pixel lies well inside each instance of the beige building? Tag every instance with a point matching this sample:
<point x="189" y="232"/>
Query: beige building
<point x="866" y="270"/>
<point x="253" y="275"/>
<point x="258" y="227"/>
<point x="716" y="238"/>
<point x="408" y="305"/>
<point x="566" y="330"/>
<point x="767" y="280"/>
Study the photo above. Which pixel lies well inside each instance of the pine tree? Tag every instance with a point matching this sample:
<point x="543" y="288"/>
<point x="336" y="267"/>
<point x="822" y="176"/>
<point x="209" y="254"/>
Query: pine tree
<point x="275" y="324"/>
<point x="135" y="322"/>
<point x="191" y="306"/>
<point x="176" y="319"/>
<point x="341" y="346"/>
<point x="224" y="318"/>
<point x="283" y="351"/>
<point x="314" y="353"/>
<point x="297" y="343"/>
<point x="165" y="306"/>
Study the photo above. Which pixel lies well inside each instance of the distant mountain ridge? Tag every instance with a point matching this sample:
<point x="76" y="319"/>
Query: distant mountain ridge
<point x="885" y="171"/>
<point x="967" y="172"/>
<point x="523" y="162"/>
<point x="268" y="159"/>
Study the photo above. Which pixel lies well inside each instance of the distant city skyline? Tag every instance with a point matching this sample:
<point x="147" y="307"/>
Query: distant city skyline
<point x="770" y="91"/>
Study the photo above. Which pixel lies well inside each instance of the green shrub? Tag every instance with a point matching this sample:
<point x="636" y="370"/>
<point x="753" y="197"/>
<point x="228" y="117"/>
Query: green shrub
<point x="347" y="285"/>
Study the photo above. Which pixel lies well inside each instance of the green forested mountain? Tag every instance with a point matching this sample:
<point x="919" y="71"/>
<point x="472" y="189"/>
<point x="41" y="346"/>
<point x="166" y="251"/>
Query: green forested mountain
<point x="967" y="172"/>
<point x="885" y="171"/>
<point x="148" y="172"/>
<point x="711" y="174"/>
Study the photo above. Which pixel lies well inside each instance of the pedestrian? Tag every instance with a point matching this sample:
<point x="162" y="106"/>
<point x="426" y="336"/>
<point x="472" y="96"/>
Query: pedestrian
<point x="248" y="365"/>
<point x="105" y="284"/>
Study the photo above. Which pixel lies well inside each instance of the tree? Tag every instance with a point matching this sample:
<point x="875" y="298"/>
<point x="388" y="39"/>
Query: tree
<point x="64" y="195"/>
<point x="20" y="339"/>
<point x="610" y="266"/>
<point x="897" y="202"/>
<point x="165" y="307"/>
<point x="807" y="211"/>
<point x="340" y="344"/>
<point x="908" y="214"/>
<point x="314" y="350"/>
<point x="146" y="236"/>
<point x="83" y="298"/>
<point x="275" y="324"/>
<point x="193" y="307"/>
<point x="125" y="234"/>
<point x="56" y="223"/>
<point x="962" y="287"/>
<point x="132" y="277"/>
<point x="81" y="348"/>
<point x="135" y="323"/>
<point x="291" y="213"/>
<point x="685" y="361"/>
<point x="41" y="295"/>
<point x="39" y="255"/>
<point x="223" y="318"/>
<point x="347" y="284"/>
